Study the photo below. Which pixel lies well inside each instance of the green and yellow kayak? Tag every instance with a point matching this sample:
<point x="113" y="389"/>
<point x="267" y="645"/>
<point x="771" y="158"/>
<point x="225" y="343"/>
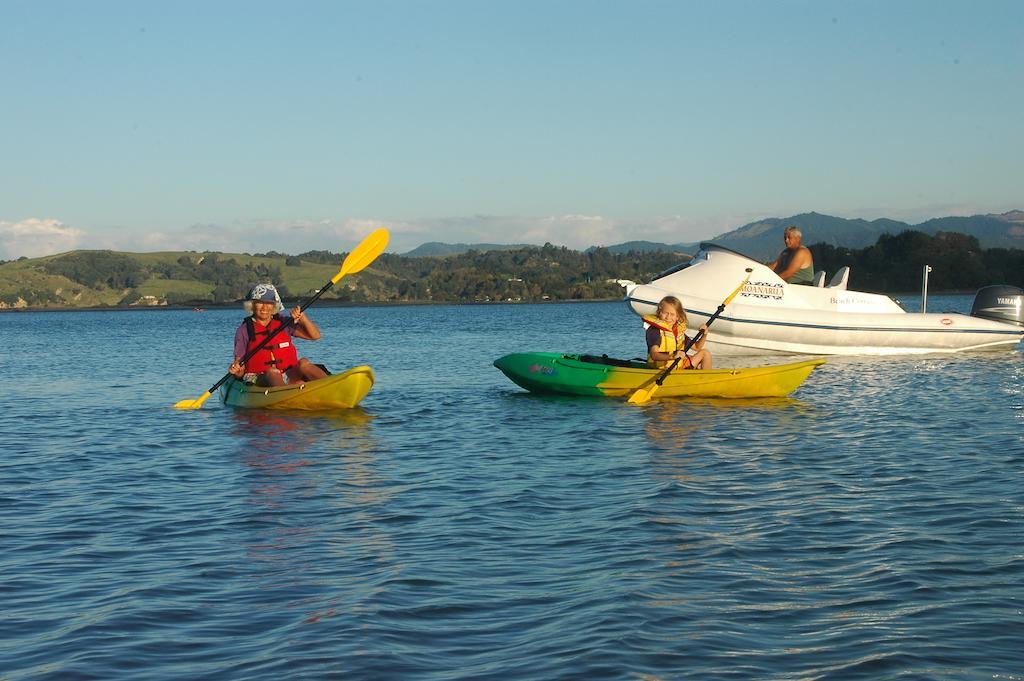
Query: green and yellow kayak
<point x="340" y="391"/>
<point x="553" y="373"/>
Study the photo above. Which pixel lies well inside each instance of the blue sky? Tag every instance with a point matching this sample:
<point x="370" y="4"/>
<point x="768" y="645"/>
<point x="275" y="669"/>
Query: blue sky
<point x="252" y="126"/>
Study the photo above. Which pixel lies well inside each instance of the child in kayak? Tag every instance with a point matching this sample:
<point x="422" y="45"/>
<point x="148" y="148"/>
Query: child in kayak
<point x="666" y="338"/>
<point x="276" y="362"/>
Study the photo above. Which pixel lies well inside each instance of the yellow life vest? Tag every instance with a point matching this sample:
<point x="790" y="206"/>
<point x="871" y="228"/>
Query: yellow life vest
<point x="672" y="339"/>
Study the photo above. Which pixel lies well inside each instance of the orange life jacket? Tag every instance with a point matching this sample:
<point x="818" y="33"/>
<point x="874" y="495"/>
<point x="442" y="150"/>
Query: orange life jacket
<point x="278" y="354"/>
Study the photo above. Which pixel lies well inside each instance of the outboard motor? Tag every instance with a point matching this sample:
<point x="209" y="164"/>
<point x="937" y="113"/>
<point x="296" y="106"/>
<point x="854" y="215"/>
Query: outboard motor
<point x="1000" y="304"/>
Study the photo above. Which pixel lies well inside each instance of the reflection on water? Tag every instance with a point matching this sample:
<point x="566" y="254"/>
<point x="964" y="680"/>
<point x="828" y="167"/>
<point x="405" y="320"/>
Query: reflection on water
<point x="357" y="418"/>
<point x="325" y="464"/>
<point x="669" y="423"/>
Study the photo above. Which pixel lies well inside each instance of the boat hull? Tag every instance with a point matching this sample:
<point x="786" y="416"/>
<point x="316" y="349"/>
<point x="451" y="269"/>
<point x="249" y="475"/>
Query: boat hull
<point x="752" y="329"/>
<point x="565" y="374"/>
<point x="770" y="316"/>
<point x="338" y="391"/>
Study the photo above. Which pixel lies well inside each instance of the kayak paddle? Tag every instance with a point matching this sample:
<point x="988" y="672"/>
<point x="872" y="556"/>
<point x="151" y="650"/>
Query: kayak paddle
<point x="641" y="395"/>
<point x="361" y="256"/>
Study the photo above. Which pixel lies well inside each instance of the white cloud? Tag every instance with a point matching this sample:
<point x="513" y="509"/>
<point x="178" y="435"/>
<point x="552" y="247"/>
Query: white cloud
<point x="36" y="237"/>
<point x="248" y="236"/>
<point x="576" y="231"/>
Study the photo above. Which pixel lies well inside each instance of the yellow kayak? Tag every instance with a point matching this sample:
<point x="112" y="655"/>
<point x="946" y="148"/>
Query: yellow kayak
<point x="553" y="373"/>
<point x="340" y="391"/>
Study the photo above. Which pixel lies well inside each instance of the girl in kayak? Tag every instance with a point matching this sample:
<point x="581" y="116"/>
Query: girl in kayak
<point x="277" y="361"/>
<point x="666" y="338"/>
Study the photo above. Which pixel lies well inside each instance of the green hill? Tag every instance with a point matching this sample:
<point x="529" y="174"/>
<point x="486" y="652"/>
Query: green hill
<point x="650" y="246"/>
<point x="108" y="278"/>
<point x="82" y="279"/>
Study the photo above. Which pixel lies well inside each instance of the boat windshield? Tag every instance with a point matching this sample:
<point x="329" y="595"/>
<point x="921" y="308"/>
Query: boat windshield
<point x="700" y="255"/>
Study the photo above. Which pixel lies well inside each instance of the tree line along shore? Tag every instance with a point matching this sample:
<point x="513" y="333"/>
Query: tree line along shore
<point x="111" y="279"/>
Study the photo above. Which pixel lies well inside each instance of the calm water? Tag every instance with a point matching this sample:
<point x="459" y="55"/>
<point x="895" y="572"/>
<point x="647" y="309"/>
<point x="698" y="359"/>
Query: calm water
<point x="869" y="527"/>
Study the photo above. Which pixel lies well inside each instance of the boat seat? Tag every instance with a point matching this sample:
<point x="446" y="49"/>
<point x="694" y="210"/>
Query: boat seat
<point x="819" y="278"/>
<point x="840" y="278"/>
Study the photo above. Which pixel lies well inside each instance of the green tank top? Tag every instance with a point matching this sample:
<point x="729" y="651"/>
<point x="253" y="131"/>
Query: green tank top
<point x="804" y="275"/>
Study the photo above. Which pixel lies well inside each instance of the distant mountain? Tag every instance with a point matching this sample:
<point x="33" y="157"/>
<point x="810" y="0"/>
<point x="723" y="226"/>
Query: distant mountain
<point x="647" y="247"/>
<point x="436" y="249"/>
<point x="762" y="240"/>
<point x="993" y="231"/>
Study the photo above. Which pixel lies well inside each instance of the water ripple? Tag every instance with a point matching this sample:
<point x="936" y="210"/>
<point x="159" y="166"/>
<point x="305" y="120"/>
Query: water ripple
<point x="456" y="527"/>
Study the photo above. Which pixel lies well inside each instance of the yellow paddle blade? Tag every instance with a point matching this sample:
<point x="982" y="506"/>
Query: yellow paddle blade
<point x="363" y="254"/>
<point x="193" y="404"/>
<point x="642" y="395"/>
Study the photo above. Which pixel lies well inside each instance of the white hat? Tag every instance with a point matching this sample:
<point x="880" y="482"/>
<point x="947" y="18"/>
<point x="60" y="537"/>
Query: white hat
<point x="264" y="292"/>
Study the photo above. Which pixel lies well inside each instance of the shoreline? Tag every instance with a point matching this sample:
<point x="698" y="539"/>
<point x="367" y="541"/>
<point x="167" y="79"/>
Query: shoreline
<point x="397" y="303"/>
<point x="322" y="303"/>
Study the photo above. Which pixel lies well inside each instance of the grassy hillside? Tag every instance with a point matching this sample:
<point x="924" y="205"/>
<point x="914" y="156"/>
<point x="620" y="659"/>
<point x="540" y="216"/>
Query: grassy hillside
<point x="109" y="278"/>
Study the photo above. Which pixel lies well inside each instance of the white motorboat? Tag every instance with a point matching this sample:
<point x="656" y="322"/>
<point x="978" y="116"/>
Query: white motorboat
<point x="770" y="316"/>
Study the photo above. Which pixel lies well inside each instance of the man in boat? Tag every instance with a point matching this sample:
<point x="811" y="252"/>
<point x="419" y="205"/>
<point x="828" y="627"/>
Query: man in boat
<point x="795" y="265"/>
<point x="276" y="362"/>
